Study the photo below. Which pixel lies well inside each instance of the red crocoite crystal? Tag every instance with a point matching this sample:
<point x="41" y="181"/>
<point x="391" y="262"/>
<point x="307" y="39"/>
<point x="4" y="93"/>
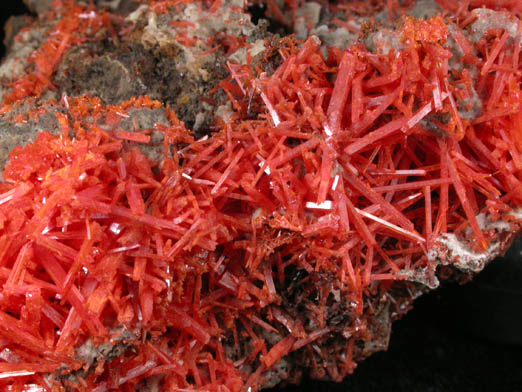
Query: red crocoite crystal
<point x="282" y="239"/>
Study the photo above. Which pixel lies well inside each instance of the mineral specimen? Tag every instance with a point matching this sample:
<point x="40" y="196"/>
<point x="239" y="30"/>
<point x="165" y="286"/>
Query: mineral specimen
<point x="195" y="199"/>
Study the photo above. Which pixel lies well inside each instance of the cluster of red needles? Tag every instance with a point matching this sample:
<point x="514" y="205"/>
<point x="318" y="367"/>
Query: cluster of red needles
<point x="337" y="191"/>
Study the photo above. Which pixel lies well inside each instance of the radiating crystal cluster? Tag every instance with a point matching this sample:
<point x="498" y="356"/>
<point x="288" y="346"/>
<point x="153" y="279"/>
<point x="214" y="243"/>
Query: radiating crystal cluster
<point x="346" y="171"/>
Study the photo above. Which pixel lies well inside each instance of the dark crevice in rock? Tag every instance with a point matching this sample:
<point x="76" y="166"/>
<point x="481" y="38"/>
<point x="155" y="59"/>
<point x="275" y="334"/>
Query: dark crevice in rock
<point x="258" y="12"/>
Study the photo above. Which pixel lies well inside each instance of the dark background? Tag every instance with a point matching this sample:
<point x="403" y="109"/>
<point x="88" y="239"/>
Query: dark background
<point x="456" y="339"/>
<point x="8" y="8"/>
